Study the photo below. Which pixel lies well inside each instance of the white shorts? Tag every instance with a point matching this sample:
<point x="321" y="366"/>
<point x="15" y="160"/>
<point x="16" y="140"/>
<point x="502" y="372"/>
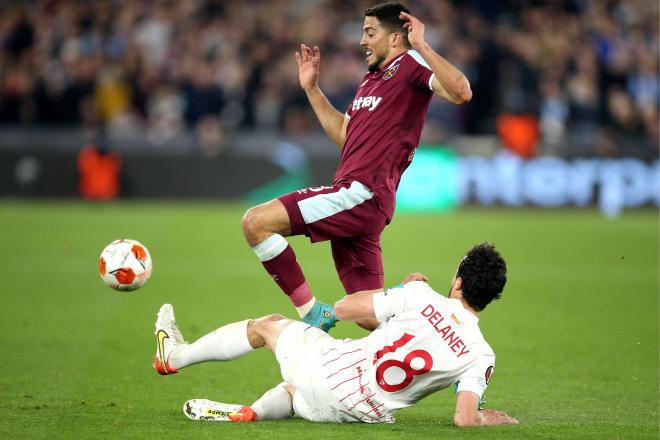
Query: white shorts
<point x="298" y="352"/>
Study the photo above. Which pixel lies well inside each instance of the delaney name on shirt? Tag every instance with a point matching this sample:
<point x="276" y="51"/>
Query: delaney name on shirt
<point x="438" y="322"/>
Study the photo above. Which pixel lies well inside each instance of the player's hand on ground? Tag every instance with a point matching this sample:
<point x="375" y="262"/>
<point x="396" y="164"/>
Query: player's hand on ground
<point x="415" y="276"/>
<point x="415" y="29"/>
<point x="308" y="60"/>
<point x="495" y="417"/>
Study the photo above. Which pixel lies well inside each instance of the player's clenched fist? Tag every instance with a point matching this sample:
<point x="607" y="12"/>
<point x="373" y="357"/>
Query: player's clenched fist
<point x="308" y="66"/>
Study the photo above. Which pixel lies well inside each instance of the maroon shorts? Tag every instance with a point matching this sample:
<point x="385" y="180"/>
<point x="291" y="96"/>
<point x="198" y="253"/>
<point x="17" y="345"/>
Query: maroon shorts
<point x="346" y="215"/>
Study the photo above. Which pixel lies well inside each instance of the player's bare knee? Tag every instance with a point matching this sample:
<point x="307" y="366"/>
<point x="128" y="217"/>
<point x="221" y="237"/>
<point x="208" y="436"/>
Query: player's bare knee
<point x="255" y="334"/>
<point x="265" y="331"/>
<point x="259" y="325"/>
<point x="250" y="223"/>
<point x="274" y="317"/>
<point x="257" y="226"/>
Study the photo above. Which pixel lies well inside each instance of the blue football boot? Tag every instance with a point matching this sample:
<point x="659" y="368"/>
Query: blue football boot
<point x="321" y="316"/>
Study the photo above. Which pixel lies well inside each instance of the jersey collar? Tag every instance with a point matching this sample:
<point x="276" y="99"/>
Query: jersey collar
<point x="383" y="68"/>
<point x="394" y="61"/>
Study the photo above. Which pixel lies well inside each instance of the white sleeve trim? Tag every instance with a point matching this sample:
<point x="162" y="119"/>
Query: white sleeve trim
<point x="417" y="57"/>
<point x="346" y="115"/>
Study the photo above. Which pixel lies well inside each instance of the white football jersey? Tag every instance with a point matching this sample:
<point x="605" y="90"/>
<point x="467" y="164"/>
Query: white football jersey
<point x="425" y="342"/>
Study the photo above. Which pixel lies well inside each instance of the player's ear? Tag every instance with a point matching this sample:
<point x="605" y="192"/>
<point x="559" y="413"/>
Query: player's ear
<point x="458" y="284"/>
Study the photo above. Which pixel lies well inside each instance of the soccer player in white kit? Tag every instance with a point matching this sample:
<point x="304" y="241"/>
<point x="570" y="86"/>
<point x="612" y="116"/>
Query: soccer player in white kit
<point x="425" y="342"/>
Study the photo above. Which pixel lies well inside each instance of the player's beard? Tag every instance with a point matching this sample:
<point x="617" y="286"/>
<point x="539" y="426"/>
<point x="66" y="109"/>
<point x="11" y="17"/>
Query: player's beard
<point x="373" y="67"/>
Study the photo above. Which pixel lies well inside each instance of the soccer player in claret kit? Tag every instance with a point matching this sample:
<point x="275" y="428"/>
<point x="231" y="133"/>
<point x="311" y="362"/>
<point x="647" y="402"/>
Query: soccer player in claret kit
<point x="424" y="342"/>
<point x="377" y="137"/>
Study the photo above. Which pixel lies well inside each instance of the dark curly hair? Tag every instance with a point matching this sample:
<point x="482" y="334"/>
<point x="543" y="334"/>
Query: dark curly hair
<point x="483" y="271"/>
<point x="388" y="16"/>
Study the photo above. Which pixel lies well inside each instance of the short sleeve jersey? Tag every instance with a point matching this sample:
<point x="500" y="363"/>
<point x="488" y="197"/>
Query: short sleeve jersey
<point x="425" y="342"/>
<point x="386" y="120"/>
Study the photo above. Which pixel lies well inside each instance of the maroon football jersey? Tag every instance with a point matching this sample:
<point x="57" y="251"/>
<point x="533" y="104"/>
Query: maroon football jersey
<point x="387" y="116"/>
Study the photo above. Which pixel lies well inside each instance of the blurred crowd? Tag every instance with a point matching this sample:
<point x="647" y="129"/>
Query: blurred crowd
<point x="584" y="70"/>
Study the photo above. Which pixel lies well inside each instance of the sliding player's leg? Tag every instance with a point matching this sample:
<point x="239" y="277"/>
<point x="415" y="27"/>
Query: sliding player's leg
<point x="226" y="343"/>
<point x="275" y="404"/>
<point x="299" y="349"/>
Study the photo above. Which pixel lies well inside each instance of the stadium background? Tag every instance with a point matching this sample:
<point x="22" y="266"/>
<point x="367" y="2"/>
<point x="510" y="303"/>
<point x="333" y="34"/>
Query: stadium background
<point x="161" y="120"/>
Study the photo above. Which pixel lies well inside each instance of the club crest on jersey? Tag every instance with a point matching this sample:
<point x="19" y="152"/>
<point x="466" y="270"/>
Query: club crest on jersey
<point x="389" y="73"/>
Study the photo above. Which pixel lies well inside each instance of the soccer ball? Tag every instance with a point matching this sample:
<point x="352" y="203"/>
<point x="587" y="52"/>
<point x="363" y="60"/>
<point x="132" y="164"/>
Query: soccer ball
<point x="125" y="265"/>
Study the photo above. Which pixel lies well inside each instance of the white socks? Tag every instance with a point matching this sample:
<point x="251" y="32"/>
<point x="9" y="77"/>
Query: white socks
<point x="275" y="404"/>
<point x="224" y="344"/>
<point x="305" y="308"/>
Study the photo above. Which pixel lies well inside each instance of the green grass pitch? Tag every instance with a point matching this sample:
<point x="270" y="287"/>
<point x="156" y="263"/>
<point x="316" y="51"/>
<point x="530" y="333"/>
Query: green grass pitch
<point x="576" y="332"/>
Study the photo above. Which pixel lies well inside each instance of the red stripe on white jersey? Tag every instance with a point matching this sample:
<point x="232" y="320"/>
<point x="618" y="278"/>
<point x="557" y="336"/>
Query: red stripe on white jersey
<point x="347" y="352"/>
<point x="347" y="380"/>
<point x="329" y="350"/>
<point x="359" y="389"/>
<point x="368" y="397"/>
<point x="372" y="409"/>
<point x="349" y="366"/>
<point x="345" y="341"/>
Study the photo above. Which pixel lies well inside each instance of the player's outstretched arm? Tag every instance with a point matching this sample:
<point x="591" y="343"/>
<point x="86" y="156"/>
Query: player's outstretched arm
<point x="468" y="414"/>
<point x="355" y="307"/>
<point x="333" y="122"/>
<point x="449" y="82"/>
